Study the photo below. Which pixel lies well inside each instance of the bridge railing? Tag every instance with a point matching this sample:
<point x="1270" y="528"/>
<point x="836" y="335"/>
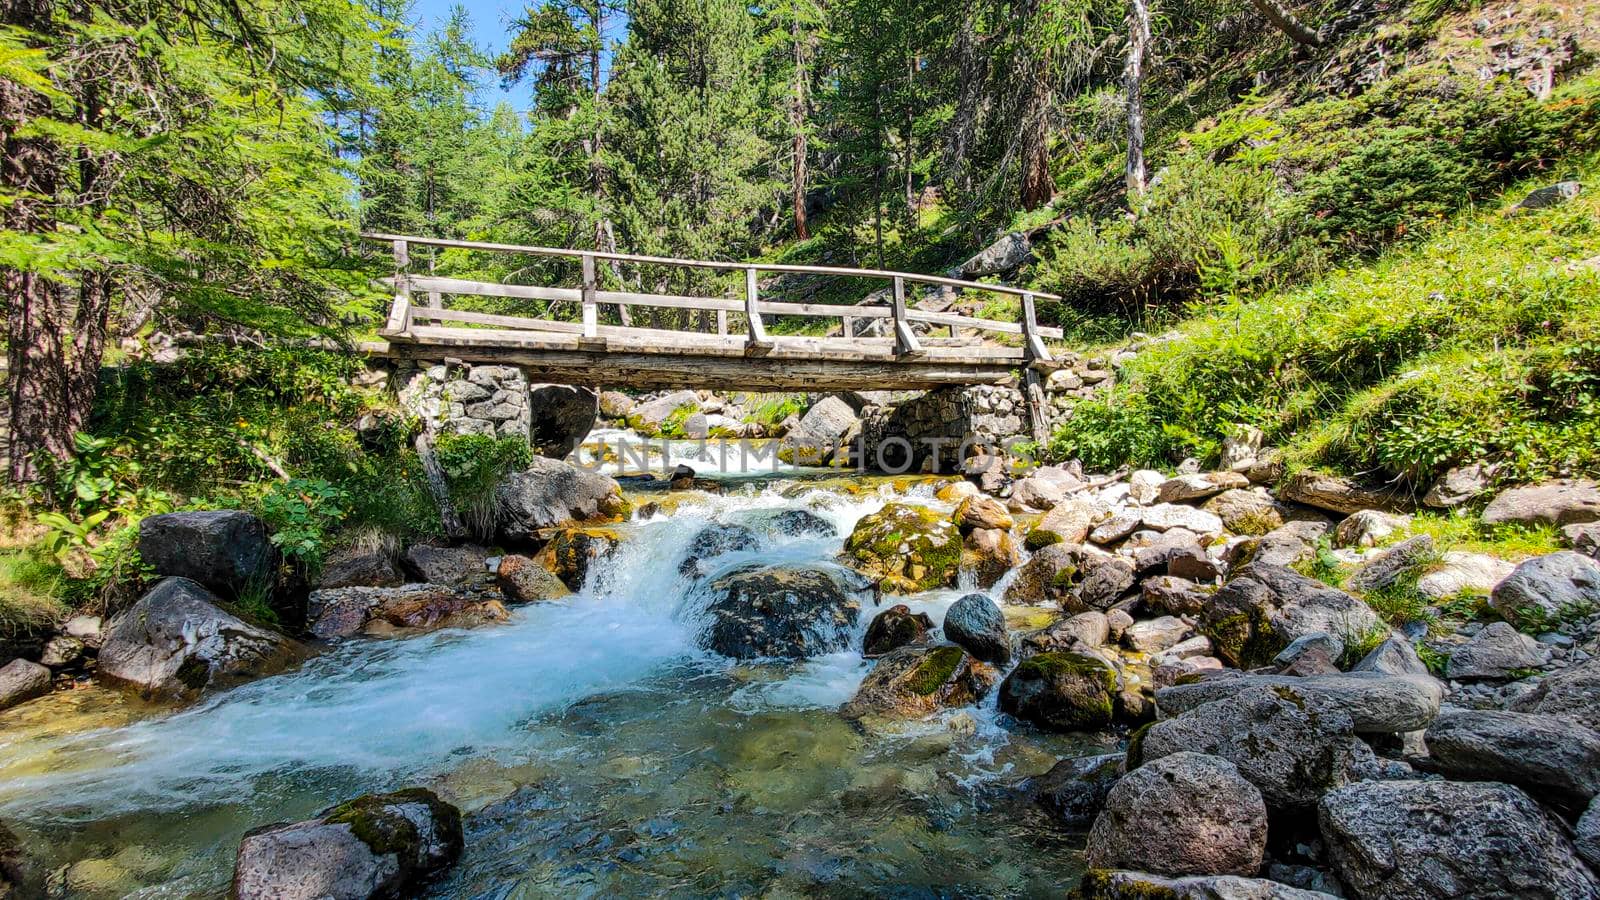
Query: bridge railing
<point x="405" y="311"/>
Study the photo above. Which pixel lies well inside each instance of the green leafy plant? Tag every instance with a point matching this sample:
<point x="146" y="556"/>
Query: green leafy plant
<point x="474" y="465"/>
<point x="302" y="513"/>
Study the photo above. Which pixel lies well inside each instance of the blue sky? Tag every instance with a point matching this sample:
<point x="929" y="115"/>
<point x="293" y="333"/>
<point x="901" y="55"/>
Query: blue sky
<point x="491" y="20"/>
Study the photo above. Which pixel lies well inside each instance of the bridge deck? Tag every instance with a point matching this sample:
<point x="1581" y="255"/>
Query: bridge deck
<point x="588" y="352"/>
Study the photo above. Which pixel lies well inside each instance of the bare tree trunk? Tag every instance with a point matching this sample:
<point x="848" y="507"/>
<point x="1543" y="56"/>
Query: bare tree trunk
<point x="1287" y="22"/>
<point x="797" y="123"/>
<point x="1133" y="81"/>
<point x="1037" y="186"/>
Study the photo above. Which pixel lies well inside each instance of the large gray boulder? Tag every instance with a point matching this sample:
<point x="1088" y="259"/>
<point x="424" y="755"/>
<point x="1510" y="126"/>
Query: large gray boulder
<point x="453" y="566"/>
<point x="1497" y="653"/>
<point x="1105" y="884"/>
<point x="650" y="417"/>
<point x="560" y="417"/>
<point x="1184" y="814"/>
<point x="1377" y="703"/>
<point x="824" y="429"/>
<point x="175" y="643"/>
<point x="1009" y="251"/>
<point x="1075" y="790"/>
<point x="1553" y="759"/>
<point x="1387" y="567"/>
<point x="1572" y="694"/>
<point x="1293" y="745"/>
<point x="227" y="550"/>
<point x="1548" y="589"/>
<point x="550" y="493"/>
<point x="376" y="846"/>
<point x="21" y="681"/>
<point x="1264" y="608"/>
<point x="1560" y="502"/>
<point x="788" y="612"/>
<point x="978" y="626"/>
<point x="1062" y="691"/>
<point x="1428" y="839"/>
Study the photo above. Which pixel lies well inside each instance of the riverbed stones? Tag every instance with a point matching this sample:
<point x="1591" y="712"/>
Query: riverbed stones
<point x="560" y="417"/>
<point x="376" y="846"/>
<point x="1074" y="790"/>
<point x="1264" y="608"/>
<point x="905" y="549"/>
<point x="1185" y="488"/>
<point x="1068" y="523"/>
<point x="1449" y="839"/>
<point x="914" y="681"/>
<point x="987" y="554"/>
<point x="1377" y="703"/>
<point x="1337" y="494"/>
<point x="227" y="550"/>
<point x="1292" y="745"/>
<point x="1167" y="516"/>
<point x="385" y="612"/>
<point x="1107" y="884"/>
<point x="373" y="568"/>
<point x="1548" y="589"/>
<point x="788" y="612"/>
<point x="1183" y="814"/>
<point x="1386" y="568"/>
<point x="551" y="493"/>
<point x="21" y="681"/>
<point x="712" y="541"/>
<point x="1083" y="630"/>
<point x="1572" y="693"/>
<point x="1461" y="572"/>
<point x="449" y="566"/>
<point x="1250" y="511"/>
<point x="982" y="512"/>
<point x="1062" y="691"/>
<point x="523" y="580"/>
<point x="175" y="643"/>
<point x="1368" y="528"/>
<point x="823" y="433"/>
<point x="978" y="626"/>
<point x="1155" y="635"/>
<point x="894" y="628"/>
<point x="1559" y="502"/>
<point x="1497" y="653"/>
<point x="1553" y="759"/>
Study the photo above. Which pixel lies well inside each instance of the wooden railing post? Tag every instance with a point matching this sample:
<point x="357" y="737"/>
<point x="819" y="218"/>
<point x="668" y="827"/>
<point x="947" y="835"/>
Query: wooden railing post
<point x="591" y="313"/>
<point x="400" y="311"/>
<point x="905" y="342"/>
<point x="756" y="341"/>
<point x="722" y="322"/>
<point x="1034" y="344"/>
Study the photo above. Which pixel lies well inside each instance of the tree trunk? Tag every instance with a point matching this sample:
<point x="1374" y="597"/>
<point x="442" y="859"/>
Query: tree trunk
<point x="797" y="124"/>
<point x="1287" y="22"/>
<point x="1133" y="81"/>
<point x="1037" y="186"/>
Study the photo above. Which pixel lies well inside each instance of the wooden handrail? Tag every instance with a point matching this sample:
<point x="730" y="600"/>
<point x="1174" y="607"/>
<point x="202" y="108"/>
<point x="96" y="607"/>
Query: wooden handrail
<point x="707" y="264"/>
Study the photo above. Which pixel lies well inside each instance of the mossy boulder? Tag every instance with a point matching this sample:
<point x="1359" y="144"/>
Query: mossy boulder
<point x="664" y="416"/>
<point x="1062" y="691"/>
<point x="571" y="553"/>
<point x="788" y="612"/>
<point x="1264" y="608"/>
<point x="914" y="681"/>
<point x="906" y="549"/>
<point x="894" y="628"/>
<point x="379" y="845"/>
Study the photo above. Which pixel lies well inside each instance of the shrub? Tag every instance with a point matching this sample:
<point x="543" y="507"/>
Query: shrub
<point x="474" y="465"/>
<point x="302" y="514"/>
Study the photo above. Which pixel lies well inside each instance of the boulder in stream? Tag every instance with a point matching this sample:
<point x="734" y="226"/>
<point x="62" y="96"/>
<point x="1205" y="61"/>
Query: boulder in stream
<point x="1264" y="608"/>
<point x="712" y="541"/>
<point x="906" y="549"/>
<point x="1184" y="814"/>
<point x="560" y="417"/>
<point x="789" y="612"/>
<point x="1062" y="691"/>
<point x="384" y="612"/>
<point x="21" y="681"/>
<point x="571" y="553"/>
<point x="551" y="493"/>
<point x="914" y="681"/>
<point x="376" y="846"/>
<point x="523" y="580"/>
<point x="894" y="628"/>
<point x="976" y="624"/>
<point x="176" y="642"/>
<point x="226" y="550"/>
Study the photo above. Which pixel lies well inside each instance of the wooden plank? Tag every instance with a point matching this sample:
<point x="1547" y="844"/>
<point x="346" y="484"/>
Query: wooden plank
<point x="722" y="321"/>
<point x="905" y="341"/>
<point x="826" y="309"/>
<point x="1030" y="331"/>
<point x="491" y="289"/>
<point x="399" y="315"/>
<point x="519" y="323"/>
<point x="591" y="313"/>
<point x="757" y="342"/>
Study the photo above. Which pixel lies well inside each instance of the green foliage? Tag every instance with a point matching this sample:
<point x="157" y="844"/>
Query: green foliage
<point x="474" y="465"/>
<point x="1322" y="564"/>
<point x="302" y="514"/>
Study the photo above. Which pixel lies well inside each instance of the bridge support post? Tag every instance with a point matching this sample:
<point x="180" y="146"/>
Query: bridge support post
<point x="591" y="313"/>
<point x="905" y="341"/>
<point x="756" y="342"/>
<point x="400" y="311"/>
<point x="1033" y="393"/>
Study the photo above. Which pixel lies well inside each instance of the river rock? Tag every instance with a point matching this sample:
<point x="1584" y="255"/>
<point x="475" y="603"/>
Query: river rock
<point x="1287" y="545"/>
<point x="227" y="550"/>
<point x="449" y="566"/>
<point x="1155" y="635"/>
<point x="1106" y="884"/>
<point x="1386" y="568"/>
<point x="1448" y="839"/>
<point x="571" y="553"/>
<point x="1459" y="485"/>
<point x="1328" y="644"/>
<point x="1165" y="516"/>
<point x="1572" y="694"/>
<point x="1193" y="564"/>
<point x="988" y="554"/>
<point x="1376" y="703"/>
<point x="1459" y="572"/>
<point x="1099" y="582"/>
<point x="560" y="417"/>
<point x="1548" y="589"/>
<point x="1074" y="790"/>
<point x="905" y="549"/>
<point x="1551" y="758"/>
<point x="914" y="681"/>
<point x="175" y="642"/>
<point x="86" y="630"/>
<point x="1394" y="656"/>
<point x="1144" y="484"/>
<point x="1560" y="502"/>
<point x="783" y="611"/>
<point x="712" y="541"/>
<point x="551" y="493"/>
<point x="1336" y="494"/>
<point x="894" y="628"/>
<point x="1173" y="596"/>
<point x="62" y="652"/>
<point x="1117" y="526"/>
<point x="1183" y="814"/>
<point x="21" y="681"/>
<point x="1496" y="653"/>
<point x="1586" y="835"/>
<point x="1045" y="578"/>
<point x="823" y="433"/>
<point x="1250" y="511"/>
<point x="376" y="846"/>
<point x="1199" y="486"/>
<point x="1062" y="691"/>
<point x="1086" y="629"/>
<point x="1068" y="523"/>
<point x="1043" y="489"/>
<point x="653" y="417"/>
<point x="1264" y="608"/>
<point x="340" y="613"/>
<point x="1368" y="528"/>
<point x="978" y="626"/>
<point x="615" y="404"/>
<point x="1292" y="745"/>
<point x="802" y="523"/>
<point x="523" y="580"/>
<point x="373" y="568"/>
<point x="982" y="512"/>
<point x="1583" y="537"/>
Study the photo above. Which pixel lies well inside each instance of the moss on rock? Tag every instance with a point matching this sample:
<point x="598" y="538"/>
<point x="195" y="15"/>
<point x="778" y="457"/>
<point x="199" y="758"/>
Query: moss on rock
<point x="906" y="549"/>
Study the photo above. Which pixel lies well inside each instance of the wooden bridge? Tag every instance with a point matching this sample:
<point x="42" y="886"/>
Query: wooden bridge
<point x="740" y="354"/>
